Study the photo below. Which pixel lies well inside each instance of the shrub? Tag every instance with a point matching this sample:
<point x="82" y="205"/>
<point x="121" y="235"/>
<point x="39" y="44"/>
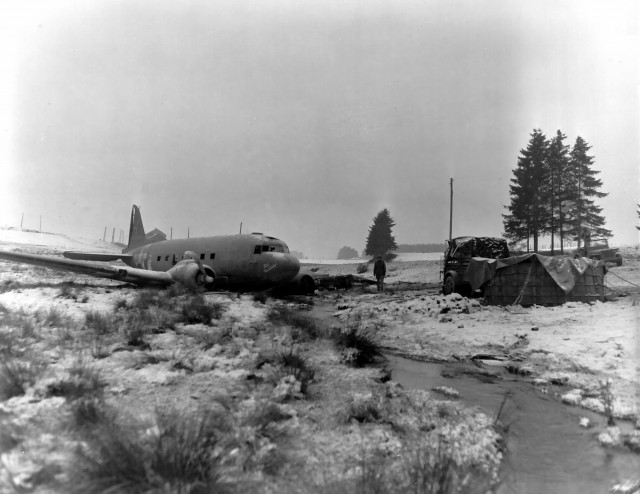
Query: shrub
<point x="51" y="317"/>
<point x="83" y="381"/>
<point x="360" y="343"/>
<point x="16" y="376"/>
<point x="282" y="315"/>
<point x="287" y="364"/>
<point x="196" y="310"/>
<point x="100" y="323"/>
<point x="133" y="327"/>
<point x="180" y="454"/>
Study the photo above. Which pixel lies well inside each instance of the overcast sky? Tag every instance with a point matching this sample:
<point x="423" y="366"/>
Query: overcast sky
<point x="303" y="119"/>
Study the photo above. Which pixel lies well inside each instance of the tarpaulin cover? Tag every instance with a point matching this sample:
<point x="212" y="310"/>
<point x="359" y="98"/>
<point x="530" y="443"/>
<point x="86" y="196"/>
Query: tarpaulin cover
<point x="563" y="270"/>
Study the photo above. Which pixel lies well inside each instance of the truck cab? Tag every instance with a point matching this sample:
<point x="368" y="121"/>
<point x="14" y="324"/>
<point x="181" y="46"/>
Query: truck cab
<point x="598" y="249"/>
<point x="458" y="254"/>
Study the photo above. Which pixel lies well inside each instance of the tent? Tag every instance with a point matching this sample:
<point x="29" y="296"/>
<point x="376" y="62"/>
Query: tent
<point x="533" y="279"/>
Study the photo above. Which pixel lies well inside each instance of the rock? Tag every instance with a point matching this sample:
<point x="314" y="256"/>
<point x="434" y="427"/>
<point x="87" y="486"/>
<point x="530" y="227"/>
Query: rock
<point x="585" y="422"/>
<point x="535" y="328"/>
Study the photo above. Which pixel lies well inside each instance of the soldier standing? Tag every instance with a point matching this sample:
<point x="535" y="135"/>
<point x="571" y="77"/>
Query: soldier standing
<point x="379" y="271"/>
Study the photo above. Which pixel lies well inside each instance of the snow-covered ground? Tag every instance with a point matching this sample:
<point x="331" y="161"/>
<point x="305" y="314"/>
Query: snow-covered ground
<point x="352" y="417"/>
<point x="574" y="347"/>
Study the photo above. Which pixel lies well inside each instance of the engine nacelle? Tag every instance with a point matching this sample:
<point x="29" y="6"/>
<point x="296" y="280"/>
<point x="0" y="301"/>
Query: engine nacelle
<point x="189" y="274"/>
<point x="302" y="284"/>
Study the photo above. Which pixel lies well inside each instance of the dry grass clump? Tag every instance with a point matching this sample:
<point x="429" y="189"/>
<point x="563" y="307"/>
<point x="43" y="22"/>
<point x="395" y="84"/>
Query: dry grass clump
<point x="359" y="344"/>
<point x="182" y="453"/>
<point x="303" y="326"/>
<point x="288" y="370"/>
<point x="17" y="375"/>
<point x="83" y="380"/>
<point x="196" y="310"/>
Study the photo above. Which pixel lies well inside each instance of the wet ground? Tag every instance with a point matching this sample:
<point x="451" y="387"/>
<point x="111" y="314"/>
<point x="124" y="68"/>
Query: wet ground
<point x="546" y="448"/>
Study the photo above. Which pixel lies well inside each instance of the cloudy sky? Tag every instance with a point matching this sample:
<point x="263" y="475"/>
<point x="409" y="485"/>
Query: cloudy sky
<point x="303" y="119"/>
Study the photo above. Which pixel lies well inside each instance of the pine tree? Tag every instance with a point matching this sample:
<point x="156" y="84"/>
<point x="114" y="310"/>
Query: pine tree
<point x="528" y="211"/>
<point x="380" y="241"/>
<point x="586" y="214"/>
<point x="557" y="187"/>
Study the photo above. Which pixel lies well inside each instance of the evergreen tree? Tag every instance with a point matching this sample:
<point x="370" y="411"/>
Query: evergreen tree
<point x="638" y="211"/>
<point x="380" y="241"/>
<point x="528" y="210"/>
<point x="586" y="214"/>
<point x="557" y="187"/>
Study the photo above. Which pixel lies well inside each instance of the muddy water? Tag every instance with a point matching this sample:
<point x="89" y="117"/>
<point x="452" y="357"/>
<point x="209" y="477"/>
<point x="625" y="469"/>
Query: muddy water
<point x="547" y="450"/>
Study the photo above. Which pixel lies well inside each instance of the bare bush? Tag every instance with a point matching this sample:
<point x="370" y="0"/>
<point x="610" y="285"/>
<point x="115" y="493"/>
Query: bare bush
<point x="360" y="344"/>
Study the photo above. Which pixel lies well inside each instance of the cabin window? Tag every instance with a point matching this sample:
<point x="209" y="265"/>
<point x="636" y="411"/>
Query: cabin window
<point x="257" y="250"/>
<point x="159" y="257"/>
<point x="166" y="258"/>
<point x="201" y="256"/>
<point x="212" y="255"/>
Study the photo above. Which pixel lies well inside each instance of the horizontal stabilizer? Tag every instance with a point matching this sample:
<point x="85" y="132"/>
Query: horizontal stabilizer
<point x="91" y="256"/>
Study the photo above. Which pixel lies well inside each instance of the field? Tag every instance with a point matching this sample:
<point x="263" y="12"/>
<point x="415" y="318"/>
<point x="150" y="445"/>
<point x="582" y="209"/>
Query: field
<point x="110" y="388"/>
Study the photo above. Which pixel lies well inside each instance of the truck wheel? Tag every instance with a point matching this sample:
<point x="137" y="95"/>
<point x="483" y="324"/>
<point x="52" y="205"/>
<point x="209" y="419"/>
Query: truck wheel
<point x="449" y="285"/>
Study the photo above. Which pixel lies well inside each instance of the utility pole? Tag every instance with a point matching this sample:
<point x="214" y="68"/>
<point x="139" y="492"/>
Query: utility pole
<point x="104" y="235"/>
<point x="22" y="220"/>
<point x="451" y="212"/>
<point x="171" y="234"/>
<point x="113" y="234"/>
<point x="40" y="223"/>
<point x="241" y="228"/>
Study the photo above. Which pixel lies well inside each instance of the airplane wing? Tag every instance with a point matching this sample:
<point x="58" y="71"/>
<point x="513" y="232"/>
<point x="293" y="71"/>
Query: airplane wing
<point x="119" y="273"/>
<point x="89" y="256"/>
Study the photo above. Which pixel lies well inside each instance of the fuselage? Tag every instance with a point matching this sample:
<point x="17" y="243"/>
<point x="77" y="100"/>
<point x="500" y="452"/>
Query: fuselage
<point x="252" y="260"/>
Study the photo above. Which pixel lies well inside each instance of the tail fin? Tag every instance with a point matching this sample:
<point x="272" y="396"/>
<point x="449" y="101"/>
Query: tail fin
<point x="137" y="236"/>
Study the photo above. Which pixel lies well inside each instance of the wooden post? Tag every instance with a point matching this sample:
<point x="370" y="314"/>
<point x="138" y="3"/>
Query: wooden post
<point x="451" y="212"/>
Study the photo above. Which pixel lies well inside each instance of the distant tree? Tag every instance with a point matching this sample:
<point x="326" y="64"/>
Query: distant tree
<point x="585" y="214"/>
<point x="638" y="211"/>
<point x="380" y="241"/>
<point x="347" y="253"/>
<point x="528" y="211"/>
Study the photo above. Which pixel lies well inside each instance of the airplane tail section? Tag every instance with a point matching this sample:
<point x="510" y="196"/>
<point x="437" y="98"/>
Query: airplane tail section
<point x="137" y="236"/>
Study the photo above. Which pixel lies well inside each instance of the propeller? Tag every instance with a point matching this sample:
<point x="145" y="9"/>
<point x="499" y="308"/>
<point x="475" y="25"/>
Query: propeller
<point x="202" y="276"/>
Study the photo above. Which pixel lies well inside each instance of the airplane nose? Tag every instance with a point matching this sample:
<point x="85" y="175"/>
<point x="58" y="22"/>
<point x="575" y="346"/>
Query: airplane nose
<point x="288" y="267"/>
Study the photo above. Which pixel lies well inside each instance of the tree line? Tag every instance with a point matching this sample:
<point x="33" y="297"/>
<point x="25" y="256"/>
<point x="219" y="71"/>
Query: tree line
<point x="553" y="192"/>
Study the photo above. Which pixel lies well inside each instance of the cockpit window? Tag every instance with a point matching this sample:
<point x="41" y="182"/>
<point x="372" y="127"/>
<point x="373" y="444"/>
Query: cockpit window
<point x="258" y="249"/>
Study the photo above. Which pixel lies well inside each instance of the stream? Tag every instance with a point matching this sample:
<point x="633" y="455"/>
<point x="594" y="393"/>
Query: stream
<point x="547" y="451"/>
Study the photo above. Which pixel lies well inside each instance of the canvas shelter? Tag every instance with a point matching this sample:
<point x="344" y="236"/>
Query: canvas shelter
<point x="534" y="279"/>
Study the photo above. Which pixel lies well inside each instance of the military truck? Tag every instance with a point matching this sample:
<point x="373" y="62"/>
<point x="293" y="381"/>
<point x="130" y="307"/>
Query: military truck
<point x="459" y="252"/>
<point x="598" y="249"/>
